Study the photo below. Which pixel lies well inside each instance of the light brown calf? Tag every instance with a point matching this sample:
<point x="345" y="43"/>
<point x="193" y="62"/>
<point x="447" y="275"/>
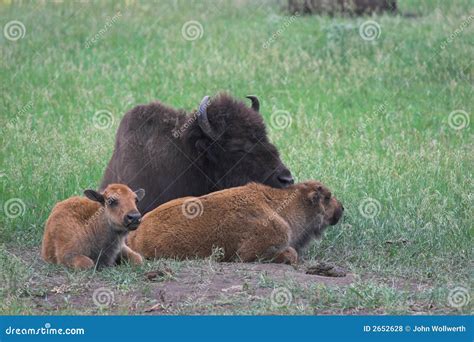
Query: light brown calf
<point x="84" y="232"/>
<point x="249" y="223"/>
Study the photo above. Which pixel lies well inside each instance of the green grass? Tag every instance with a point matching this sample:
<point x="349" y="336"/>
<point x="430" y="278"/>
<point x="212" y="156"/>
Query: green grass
<point x="368" y="118"/>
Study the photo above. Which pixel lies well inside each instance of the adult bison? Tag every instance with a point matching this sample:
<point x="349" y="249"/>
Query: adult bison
<point x="171" y="154"/>
<point x="350" y="7"/>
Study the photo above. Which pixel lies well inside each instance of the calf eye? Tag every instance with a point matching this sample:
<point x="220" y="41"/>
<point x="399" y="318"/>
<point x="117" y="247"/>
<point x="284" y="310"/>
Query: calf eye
<point x="113" y="202"/>
<point x="136" y="200"/>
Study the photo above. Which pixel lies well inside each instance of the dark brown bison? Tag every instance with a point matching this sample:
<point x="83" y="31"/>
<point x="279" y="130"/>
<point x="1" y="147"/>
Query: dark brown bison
<point x="171" y="154"/>
<point x="351" y="7"/>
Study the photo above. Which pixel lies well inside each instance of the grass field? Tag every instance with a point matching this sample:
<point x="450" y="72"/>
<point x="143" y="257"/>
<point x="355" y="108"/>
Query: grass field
<point x="383" y="120"/>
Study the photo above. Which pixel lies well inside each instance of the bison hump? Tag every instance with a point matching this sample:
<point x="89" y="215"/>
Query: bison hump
<point x="152" y="118"/>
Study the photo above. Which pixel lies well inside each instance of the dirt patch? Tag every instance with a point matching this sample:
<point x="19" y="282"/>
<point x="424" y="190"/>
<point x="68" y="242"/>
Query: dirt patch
<point x="166" y="287"/>
<point x="221" y="282"/>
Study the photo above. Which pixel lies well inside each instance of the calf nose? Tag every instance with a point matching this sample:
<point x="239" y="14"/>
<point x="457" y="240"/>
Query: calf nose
<point x="132" y="219"/>
<point x="336" y="216"/>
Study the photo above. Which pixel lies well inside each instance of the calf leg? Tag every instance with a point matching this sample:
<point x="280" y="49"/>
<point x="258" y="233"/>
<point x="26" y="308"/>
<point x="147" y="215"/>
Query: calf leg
<point x="79" y="262"/>
<point x="253" y="251"/>
<point x="132" y="256"/>
<point x="271" y="242"/>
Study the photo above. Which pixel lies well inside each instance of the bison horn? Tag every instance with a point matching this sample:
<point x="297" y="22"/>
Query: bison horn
<point x="203" y="121"/>
<point x="255" y="102"/>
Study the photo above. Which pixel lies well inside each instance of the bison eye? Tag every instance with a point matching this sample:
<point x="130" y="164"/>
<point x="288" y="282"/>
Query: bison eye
<point x="136" y="200"/>
<point x="112" y="202"/>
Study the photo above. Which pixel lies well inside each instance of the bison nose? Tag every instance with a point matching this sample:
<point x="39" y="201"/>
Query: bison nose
<point x="132" y="220"/>
<point x="286" y="179"/>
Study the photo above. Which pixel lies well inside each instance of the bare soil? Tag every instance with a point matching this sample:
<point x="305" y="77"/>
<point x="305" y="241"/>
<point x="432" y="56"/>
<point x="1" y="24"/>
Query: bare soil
<point x="166" y="287"/>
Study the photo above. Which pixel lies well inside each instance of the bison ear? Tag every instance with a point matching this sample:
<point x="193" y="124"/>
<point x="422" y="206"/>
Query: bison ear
<point x="140" y="194"/>
<point x="94" y="196"/>
<point x="314" y="197"/>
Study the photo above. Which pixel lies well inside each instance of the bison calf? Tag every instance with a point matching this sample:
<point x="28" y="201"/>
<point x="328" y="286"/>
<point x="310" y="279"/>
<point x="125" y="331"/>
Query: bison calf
<point x="83" y="232"/>
<point x="249" y="223"/>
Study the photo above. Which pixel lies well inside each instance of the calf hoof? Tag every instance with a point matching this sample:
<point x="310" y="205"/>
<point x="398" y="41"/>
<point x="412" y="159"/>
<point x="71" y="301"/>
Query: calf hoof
<point x="288" y="256"/>
<point x="136" y="259"/>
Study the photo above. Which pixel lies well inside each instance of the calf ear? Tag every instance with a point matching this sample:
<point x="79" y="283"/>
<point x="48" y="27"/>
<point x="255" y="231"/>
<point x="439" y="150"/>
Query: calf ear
<point x="140" y="194"/>
<point x="316" y="194"/>
<point x="314" y="197"/>
<point x="94" y="196"/>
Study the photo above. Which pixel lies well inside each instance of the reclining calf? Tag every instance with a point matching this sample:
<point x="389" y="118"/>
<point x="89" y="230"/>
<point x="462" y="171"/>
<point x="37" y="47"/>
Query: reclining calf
<point x="250" y="223"/>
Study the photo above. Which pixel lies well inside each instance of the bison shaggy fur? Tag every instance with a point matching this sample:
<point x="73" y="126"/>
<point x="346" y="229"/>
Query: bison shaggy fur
<point x="172" y="154"/>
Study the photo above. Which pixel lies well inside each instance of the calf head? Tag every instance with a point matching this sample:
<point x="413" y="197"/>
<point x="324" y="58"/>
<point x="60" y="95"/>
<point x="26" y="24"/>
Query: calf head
<point x="120" y="206"/>
<point x="325" y="208"/>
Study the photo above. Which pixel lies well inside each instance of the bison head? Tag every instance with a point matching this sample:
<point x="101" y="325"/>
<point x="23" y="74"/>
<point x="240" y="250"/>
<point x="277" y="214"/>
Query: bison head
<point x="233" y="146"/>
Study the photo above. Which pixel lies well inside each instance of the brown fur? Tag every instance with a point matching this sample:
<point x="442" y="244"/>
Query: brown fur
<point x="84" y="232"/>
<point x="166" y="151"/>
<point x="249" y="223"/>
